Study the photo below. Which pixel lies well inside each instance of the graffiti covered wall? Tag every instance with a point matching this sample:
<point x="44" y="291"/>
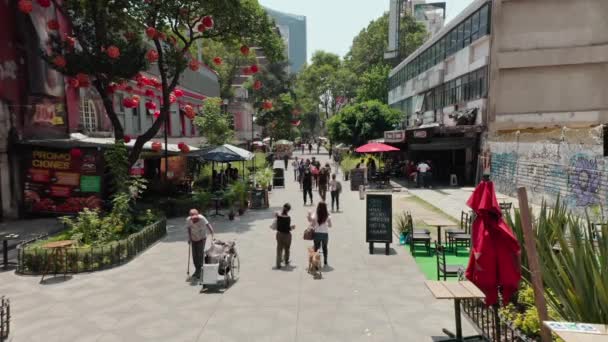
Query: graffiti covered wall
<point x="569" y="164"/>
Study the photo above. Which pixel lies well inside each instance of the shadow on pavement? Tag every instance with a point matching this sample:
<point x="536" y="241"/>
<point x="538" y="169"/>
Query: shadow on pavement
<point x="58" y="279"/>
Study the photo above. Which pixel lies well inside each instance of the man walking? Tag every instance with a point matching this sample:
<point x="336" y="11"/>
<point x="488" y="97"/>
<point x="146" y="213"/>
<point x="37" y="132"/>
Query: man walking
<point x="422" y="169"/>
<point x="295" y="166"/>
<point x="197" y="226"/>
<point x="286" y="160"/>
<point x="309" y="148"/>
<point x="307" y="184"/>
<point x="335" y="188"/>
<point x="323" y="180"/>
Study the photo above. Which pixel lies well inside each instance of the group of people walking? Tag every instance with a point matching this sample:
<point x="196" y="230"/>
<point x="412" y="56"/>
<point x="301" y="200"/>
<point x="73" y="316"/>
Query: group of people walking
<point x="310" y="173"/>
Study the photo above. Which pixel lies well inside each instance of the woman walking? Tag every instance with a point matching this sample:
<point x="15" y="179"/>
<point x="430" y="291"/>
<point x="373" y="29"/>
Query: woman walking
<point x="284" y="228"/>
<point x="320" y="221"/>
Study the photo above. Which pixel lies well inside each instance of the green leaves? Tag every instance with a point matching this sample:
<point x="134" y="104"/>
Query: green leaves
<point x="213" y="124"/>
<point x="358" y="123"/>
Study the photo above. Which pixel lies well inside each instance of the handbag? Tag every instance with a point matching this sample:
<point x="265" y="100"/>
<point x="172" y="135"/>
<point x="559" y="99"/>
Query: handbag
<point x="309" y="233"/>
<point x="273" y="225"/>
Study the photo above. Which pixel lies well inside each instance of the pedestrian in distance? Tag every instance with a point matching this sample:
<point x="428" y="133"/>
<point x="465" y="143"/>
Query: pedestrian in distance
<point x="198" y="226"/>
<point x="421" y="176"/>
<point x="302" y="146"/>
<point x="307" y="183"/>
<point x="283" y="227"/>
<point x="301" y="168"/>
<point x="335" y="188"/>
<point x="295" y="165"/>
<point x="319" y="147"/>
<point x="309" y="148"/>
<point x="286" y="160"/>
<point x="320" y="222"/>
<point x="323" y="181"/>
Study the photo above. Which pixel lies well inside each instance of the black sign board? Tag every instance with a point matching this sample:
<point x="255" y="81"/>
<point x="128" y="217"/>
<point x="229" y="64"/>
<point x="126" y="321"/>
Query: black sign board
<point x="357" y="177"/>
<point x="379" y="220"/>
<point x="258" y="199"/>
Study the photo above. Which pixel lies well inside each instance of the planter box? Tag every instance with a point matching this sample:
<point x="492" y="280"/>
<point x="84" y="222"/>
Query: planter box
<point x="32" y="260"/>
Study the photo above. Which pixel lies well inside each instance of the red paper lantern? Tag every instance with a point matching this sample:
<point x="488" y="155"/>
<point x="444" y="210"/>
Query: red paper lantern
<point x="245" y="50"/>
<point x="267" y="104"/>
<point x="194" y="65"/>
<point x="127" y="139"/>
<point x="254" y="68"/>
<point x="189" y="111"/>
<point x="200" y="27"/>
<point x="149" y="93"/>
<point x="151" y="32"/>
<point x="184" y="148"/>
<point x="70" y="41"/>
<point x="257" y="85"/>
<point x="180" y="145"/>
<point x="25" y="6"/>
<point x="172" y="98"/>
<point x="52" y="25"/>
<point x="44" y="3"/>
<point x="152" y="56"/>
<point x="128" y="89"/>
<point x="178" y="92"/>
<point x="208" y="22"/>
<point x="129" y="102"/>
<point x="59" y="61"/>
<point x="113" y="52"/>
<point x="111" y="88"/>
<point x="135" y="99"/>
<point x="73" y="82"/>
<point x="150" y="105"/>
<point x="156" y="146"/>
<point x="83" y="79"/>
<point x="156" y="115"/>
<point x="217" y="61"/>
<point x="76" y="153"/>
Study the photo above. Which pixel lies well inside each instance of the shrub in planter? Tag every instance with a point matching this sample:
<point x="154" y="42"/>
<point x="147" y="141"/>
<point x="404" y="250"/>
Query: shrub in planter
<point x="403" y="225"/>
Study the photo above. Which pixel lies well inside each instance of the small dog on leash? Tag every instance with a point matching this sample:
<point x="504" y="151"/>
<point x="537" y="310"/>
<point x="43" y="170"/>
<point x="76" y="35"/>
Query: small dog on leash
<point x="314" y="263"/>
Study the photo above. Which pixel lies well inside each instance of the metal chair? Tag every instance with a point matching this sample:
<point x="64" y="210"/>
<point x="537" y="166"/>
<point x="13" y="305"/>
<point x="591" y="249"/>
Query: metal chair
<point x="444" y="270"/>
<point x="464" y="219"/>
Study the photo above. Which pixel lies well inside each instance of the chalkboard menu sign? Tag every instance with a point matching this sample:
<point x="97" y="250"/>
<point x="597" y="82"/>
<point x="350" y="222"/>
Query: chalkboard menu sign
<point x="379" y="220"/>
<point x="258" y="199"/>
<point x="357" y="177"/>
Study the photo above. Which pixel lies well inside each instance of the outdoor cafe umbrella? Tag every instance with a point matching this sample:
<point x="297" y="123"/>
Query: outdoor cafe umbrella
<point x="375" y="147"/>
<point x="495" y="251"/>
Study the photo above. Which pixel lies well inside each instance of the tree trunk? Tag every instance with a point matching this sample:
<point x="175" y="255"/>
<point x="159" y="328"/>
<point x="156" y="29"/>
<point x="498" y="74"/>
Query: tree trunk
<point x="108" y="104"/>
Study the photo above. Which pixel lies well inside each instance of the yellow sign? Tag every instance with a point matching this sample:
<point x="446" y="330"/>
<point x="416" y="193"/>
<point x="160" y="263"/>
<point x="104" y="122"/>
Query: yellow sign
<point x="57" y="120"/>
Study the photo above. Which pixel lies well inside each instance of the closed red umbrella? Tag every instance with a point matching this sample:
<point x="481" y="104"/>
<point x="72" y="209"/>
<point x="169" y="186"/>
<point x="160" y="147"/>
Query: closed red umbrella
<point x="495" y="254"/>
<point x="375" y="147"/>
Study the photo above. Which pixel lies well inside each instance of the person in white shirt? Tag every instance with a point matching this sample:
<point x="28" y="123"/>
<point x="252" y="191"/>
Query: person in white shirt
<point x="321" y="222"/>
<point x="197" y="225"/>
<point x="295" y="164"/>
<point x="422" y="169"/>
<point x="335" y="188"/>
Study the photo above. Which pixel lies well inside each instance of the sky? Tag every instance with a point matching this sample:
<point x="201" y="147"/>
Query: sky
<point x="332" y="24"/>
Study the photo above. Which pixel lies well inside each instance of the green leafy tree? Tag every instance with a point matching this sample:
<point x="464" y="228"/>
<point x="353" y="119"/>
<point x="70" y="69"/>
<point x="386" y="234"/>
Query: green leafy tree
<point x="373" y="84"/>
<point x="108" y="44"/>
<point x="358" y="123"/>
<point x="213" y="123"/>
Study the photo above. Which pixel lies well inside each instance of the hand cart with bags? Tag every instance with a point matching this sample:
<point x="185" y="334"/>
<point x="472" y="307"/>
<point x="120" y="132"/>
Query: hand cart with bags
<point x="221" y="264"/>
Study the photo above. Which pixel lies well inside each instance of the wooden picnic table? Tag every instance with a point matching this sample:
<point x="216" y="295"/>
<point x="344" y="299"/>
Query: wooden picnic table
<point x="439" y="223"/>
<point x="58" y="252"/>
<point x="574" y="336"/>
<point x="456" y="290"/>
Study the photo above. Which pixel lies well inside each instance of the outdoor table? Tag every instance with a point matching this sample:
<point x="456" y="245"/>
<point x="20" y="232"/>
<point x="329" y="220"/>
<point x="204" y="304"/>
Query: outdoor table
<point x="456" y="290"/>
<point x="217" y="201"/>
<point x="575" y="336"/>
<point x="439" y="223"/>
<point x="5" y="237"/>
<point x="58" y="249"/>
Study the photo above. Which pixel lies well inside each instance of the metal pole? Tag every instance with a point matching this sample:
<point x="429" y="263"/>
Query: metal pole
<point x="167" y="146"/>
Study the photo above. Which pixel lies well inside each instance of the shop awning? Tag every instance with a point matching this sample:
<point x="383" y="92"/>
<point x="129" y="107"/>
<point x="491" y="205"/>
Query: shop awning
<point x="223" y="154"/>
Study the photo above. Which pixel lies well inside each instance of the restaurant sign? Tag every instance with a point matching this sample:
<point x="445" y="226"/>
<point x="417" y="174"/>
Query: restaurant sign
<point x="62" y="181"/>
<point x="394" y="136"/>
<point x="420" y="134"/>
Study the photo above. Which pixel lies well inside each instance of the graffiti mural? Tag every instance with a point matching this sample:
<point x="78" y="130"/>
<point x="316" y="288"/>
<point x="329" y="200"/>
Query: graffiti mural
<point x="584" y="181"/>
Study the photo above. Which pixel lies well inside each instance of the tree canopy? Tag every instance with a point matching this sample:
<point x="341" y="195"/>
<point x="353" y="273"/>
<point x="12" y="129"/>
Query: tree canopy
<point x="114" y="40"/>
<point x="360" y="122"/>
<point x="213" y="123"/>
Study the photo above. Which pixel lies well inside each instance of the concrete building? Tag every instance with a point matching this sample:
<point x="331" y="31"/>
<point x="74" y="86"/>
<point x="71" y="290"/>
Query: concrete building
<point x="442" y="90"/>
<point x="536" y="88"/>
<point x="549" y="100"/>
<point x="293" y="30"/>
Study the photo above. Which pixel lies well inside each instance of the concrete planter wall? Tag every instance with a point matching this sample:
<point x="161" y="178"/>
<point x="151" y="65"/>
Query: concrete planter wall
<point x="33" y="260"/>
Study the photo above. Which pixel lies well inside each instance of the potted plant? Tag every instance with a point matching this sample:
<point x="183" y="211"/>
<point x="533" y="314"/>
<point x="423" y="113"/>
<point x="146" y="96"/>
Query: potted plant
<point x="202" y="199"/>
<point x="239" y="189"/>
<point x="264" y="178"/>
<point x="403" y="226"/>
<point x="229" y="198"/>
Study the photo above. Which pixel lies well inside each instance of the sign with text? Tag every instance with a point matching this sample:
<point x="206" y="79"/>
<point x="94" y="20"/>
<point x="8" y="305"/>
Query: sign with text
<point x="258" y="199"/>
<point x="379" y="218"/>
<point x="357" y="178"/>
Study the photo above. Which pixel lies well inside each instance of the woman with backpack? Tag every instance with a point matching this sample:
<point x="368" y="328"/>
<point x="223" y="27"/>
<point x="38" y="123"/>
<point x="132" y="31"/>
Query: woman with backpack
<point x="335" y="188"/>
<point x="320" y="222"/>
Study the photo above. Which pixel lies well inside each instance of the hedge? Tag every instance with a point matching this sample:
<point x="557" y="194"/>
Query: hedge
<point x="32" y="260"/>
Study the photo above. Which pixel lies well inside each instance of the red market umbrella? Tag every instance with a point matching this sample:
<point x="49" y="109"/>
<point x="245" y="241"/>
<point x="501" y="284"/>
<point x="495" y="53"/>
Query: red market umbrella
<point x="495" y="252"/>
<point x="375" y="147"/>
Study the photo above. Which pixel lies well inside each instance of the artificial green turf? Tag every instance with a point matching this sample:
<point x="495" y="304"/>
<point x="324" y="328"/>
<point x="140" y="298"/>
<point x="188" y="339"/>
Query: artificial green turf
<point x="428" y="264"/>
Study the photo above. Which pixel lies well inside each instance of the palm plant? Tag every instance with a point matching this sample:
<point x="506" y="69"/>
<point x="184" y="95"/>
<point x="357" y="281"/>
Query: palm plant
<point x="574" y="263"/>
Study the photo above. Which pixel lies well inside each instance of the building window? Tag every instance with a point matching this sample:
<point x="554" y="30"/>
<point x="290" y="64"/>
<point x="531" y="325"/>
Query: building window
<point x="467" y="32"/>
<point x="475" y="26"/>
<point x="484" y="20"/>
<point x="88" y="115"/>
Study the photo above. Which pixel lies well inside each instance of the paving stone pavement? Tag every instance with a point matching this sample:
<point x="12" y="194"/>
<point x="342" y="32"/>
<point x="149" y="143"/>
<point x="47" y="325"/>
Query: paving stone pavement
<point x="361" y="297"/>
